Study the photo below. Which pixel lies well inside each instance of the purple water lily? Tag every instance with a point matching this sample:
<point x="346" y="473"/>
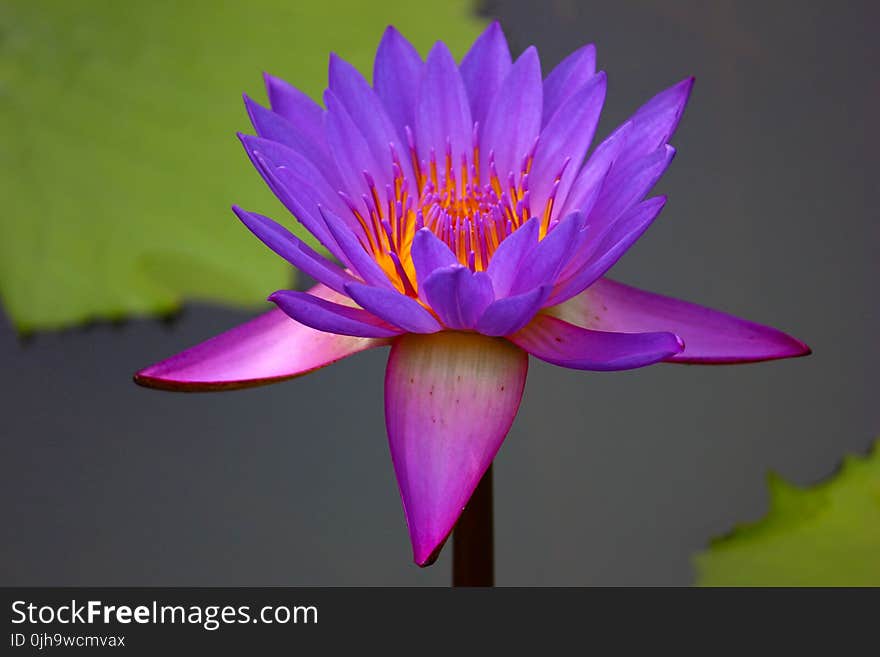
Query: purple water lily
<point x="471" y="229"/>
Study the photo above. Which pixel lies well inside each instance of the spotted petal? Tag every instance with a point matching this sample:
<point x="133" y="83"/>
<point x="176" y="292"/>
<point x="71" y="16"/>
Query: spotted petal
<point x="450" y="399"/>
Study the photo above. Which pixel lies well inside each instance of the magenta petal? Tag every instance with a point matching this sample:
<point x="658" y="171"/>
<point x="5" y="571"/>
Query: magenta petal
<point x="397" y="71"/>
<point x="709" y="336"/>
<point x="566" y="78"/>
<point x="269" y="348"/>
<point x="450" y="400"/>
<point x="484" y="68"/>
<point x="567" y="345"/>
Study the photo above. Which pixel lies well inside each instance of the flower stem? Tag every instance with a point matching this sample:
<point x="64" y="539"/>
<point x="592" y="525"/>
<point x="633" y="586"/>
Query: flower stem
<point x="473" y="543"/>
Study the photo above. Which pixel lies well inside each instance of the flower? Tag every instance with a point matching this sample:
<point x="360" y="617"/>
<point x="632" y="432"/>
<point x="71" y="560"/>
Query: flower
<point x="473" y="230"/>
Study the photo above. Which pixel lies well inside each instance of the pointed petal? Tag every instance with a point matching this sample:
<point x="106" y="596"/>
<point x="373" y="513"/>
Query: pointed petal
<point x="269" y="348"/>
<point x="484" y="68"/>
<point x="567" y="345"/>
<point x="588" y="182"/>
<point x="458" y="295"/>
<point x="567" y="136"/>
<point x="625" y="186"/>
<point x="350" y="150"/>
<point x="710" y="336"/>
<point x="450" y="400"/>
<point x="295" y="106"/>
<point x="514" y="119"/>
<point x="394" y="308"/>
<point x="509" y="315"/>
<point x="655" y="122"/>
<point x="566" y="78"/>
<point x="368" y="113"/>
<point x="610" y="247"/>
<point x="361" y="262"/>
<point x="429" y="253"/>
<point x="442" y="110"/>
<point x="294" y="250"/>
<point x="331" y="317"/>
<point x="397" y="72"/>
<point x="296" y="184"/>
<point x="274" y="127"/>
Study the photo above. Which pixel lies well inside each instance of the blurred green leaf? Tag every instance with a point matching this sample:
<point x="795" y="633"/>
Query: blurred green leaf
<point x="119" y="161"/>
<point x="824" y="535"/>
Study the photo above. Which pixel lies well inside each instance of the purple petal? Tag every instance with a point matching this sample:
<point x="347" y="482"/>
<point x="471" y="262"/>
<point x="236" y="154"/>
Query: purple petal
<point x="626" y="186"/>
<point x="360" y="261"/>
<point x="567" y="345"/>
<point x="450" y="400"/>
<point x="295" y="106"/>
<point x="274" y="127"/>
<point x="330" y="316"/>
<point x="542" y="264"/>
<point x="509" y="315"/>
<point x="321" y="188"/>
<point x="302" y="203"/>
<point x="458" y="295"/>
<point x="294" y="250"/>
<point x="571" y="73"/>
<point x="397" y="72"/>
<point x="484" y="68"/>
<point x="611" y="247"/>
<point x="350" y="150"/>
<point x="505" y="262"/>
<point x="591" y="178"/>
<point x="269" y="348"/>
<point x="514" y="119"/>
<point x="394" y="308"/>
<point x="710" y="336"/>
<point x="429" y="253"/>
<point x="368" y="113"/>
<point x="567" y="136"/>
<point x="655" y="122"/>
<point x="442" y="110"/>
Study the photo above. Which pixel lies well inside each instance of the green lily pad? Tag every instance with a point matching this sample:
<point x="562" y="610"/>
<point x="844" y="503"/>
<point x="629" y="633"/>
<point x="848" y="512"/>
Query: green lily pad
<point x="824" y="535"/>
<point x="119" y="160"/>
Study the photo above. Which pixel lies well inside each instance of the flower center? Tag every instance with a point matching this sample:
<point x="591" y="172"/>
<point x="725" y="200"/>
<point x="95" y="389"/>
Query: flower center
<point x="472" y="211"/>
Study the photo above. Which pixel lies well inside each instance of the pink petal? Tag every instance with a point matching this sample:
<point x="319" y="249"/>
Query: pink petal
<point x="450" y="399"/>
<point x="268" y="348"/>
<point x="709" y="336"/>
